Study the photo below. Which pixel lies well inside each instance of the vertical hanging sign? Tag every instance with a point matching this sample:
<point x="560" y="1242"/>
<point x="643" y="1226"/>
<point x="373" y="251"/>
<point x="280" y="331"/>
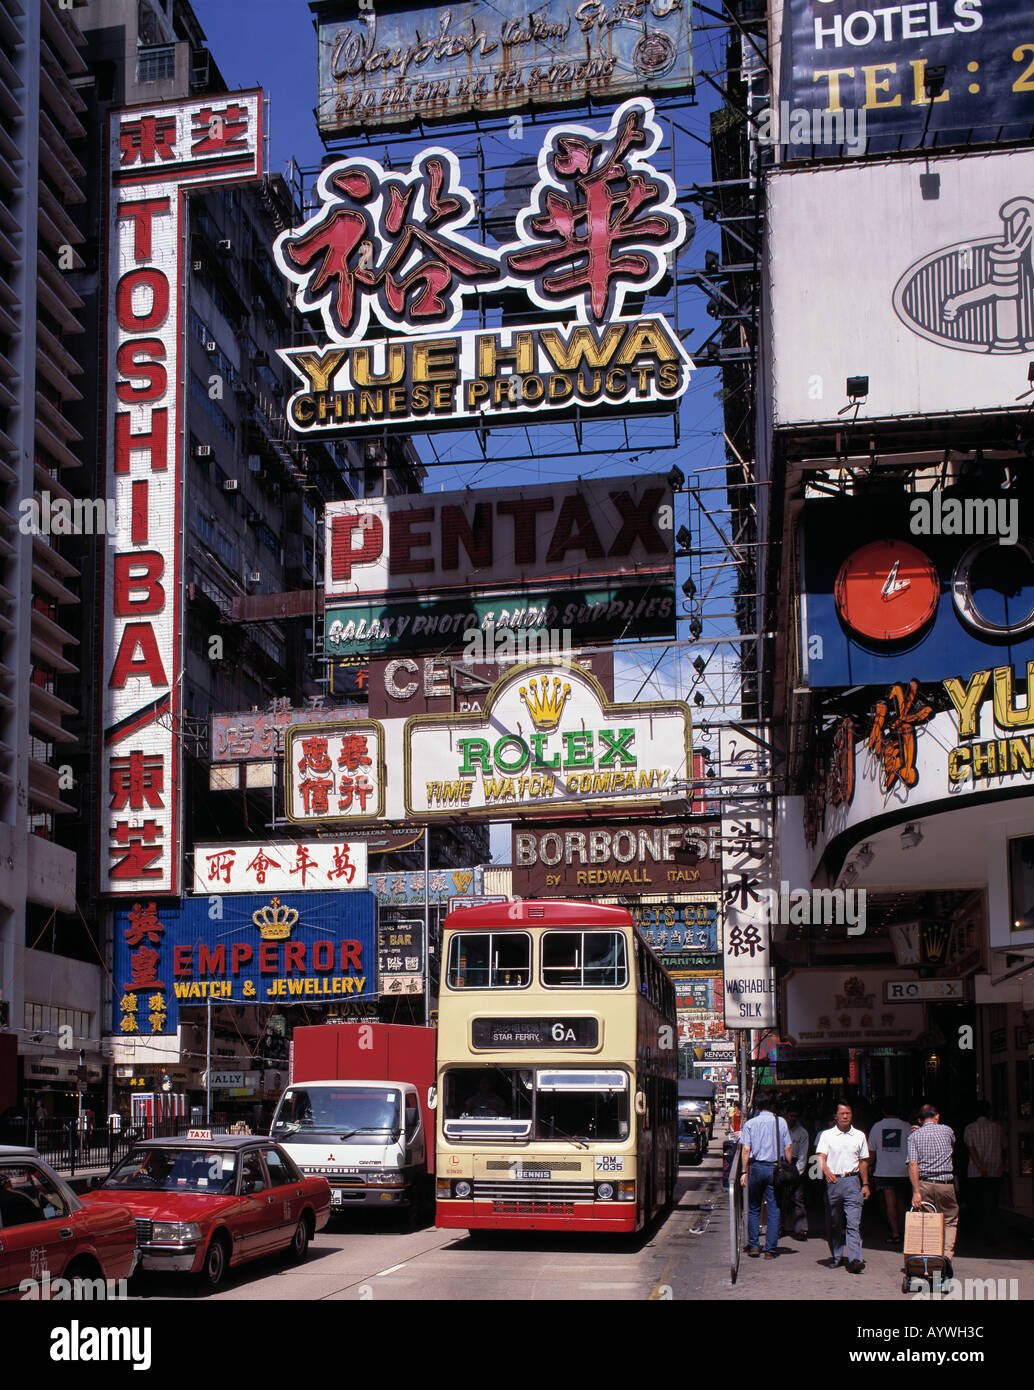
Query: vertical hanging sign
<point x="748" y="870"/>
<point x="156" y="154"/>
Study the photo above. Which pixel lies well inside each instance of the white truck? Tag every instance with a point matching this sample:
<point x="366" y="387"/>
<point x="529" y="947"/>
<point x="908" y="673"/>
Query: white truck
<point x="357" y="1113"/>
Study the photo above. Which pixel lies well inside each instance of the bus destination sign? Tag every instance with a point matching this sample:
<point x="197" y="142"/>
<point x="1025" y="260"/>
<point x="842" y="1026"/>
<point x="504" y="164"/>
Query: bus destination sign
<point x="487" y="1033"/>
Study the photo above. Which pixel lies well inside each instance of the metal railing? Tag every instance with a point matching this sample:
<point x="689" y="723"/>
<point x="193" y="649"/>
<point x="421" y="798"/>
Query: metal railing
<point x="737" y="1213"/>
<point x="68" y="1147"/>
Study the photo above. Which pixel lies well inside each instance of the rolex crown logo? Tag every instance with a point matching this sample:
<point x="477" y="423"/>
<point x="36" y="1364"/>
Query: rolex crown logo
<point x="545" y="706"/>
<point x="275" y="921"/>
<point x="935" y="941"/>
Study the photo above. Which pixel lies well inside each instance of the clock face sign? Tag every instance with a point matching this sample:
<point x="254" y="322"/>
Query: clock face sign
<point x="887" y="591"/>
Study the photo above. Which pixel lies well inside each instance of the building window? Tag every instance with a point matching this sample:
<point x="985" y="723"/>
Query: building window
<point x="156" y="63"/>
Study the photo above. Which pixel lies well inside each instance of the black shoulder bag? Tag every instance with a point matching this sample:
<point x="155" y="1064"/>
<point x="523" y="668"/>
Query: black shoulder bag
<point x="785" y="1174"/>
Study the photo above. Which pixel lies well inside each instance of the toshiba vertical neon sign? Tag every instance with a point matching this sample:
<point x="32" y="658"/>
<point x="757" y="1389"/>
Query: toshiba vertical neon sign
<point x="156" y="154"/>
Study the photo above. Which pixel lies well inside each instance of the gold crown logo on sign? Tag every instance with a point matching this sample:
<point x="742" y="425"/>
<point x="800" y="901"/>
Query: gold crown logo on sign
<point x="546" y="707"/>
<point x="275" y="921"/>
<point x="935" y="941"/>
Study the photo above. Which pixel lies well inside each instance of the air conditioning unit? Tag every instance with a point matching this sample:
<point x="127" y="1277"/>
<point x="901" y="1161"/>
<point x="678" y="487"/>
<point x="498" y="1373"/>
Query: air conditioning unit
<point x="225" y="247"/>
<point x="202" y="451"/>
<point x="210" y="345"/>
<point x="231" y="485"/>
<point x="254" y="576"/>
<point x="197" y="264"/>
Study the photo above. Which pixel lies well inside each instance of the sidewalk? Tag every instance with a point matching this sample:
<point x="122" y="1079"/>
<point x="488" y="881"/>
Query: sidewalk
<point x="803" y="1269"/>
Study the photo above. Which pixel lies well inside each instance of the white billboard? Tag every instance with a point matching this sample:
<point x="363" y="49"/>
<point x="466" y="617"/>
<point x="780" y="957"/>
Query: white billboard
<point x="914" y="273"/>
<point x="280" y="866"/>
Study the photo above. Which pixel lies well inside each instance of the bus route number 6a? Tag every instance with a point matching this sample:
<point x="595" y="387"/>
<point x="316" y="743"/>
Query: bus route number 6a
<point x="562" y="1034"/>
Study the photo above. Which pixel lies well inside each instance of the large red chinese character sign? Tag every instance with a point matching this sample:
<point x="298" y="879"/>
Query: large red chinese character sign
<point x="601" y="219"/>
<point x="388" y="247"/>
<point x="387" y="243"/>
<point x="154" y="157"/>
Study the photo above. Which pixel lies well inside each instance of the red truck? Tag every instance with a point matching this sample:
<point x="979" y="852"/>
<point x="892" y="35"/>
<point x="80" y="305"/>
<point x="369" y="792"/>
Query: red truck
<point x="357" y="1113"/>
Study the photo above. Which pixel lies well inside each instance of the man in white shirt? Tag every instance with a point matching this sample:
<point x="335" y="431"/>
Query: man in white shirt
<point x="888" y="1144"/>
<point x="844" y="1157"/>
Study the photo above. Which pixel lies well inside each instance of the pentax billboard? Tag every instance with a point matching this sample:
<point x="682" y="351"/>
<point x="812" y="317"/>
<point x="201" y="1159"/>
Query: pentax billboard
<point x="569" y="534"/>
<point x="156" y="155"/>
<point x="943" y="249"/>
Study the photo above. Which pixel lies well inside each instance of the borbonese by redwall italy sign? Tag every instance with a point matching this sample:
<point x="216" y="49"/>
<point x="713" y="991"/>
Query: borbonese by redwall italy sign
<point x="546" y="741"/>
<point x="389" y="246"/>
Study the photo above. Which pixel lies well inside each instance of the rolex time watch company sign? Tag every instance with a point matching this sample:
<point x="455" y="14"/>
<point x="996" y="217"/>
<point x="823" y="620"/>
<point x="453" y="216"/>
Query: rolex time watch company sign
<point x="547" y="739"/>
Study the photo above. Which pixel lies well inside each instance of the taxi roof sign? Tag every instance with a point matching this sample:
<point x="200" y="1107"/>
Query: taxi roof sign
<point x="199" y="1134"/>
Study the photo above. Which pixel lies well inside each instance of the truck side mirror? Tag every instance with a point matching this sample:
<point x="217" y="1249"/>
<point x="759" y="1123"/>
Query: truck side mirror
<point x="640" y="1103"/>
<point x="432" y="1097"/>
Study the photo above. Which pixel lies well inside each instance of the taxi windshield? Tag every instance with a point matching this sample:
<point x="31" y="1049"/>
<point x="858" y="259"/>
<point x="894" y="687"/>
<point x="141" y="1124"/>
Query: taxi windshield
<point x="175" y="1170"/>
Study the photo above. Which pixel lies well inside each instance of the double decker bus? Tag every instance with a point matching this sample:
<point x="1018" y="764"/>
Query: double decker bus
<point x="557" y="1066"/>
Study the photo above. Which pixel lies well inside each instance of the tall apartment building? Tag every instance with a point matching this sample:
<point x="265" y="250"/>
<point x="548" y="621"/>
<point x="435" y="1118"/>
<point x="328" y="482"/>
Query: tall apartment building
<point x="56" y="984"/>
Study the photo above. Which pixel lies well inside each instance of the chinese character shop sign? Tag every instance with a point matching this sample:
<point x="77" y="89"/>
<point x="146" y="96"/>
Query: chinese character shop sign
<point x="397" y="65"/>
<point x="262" y="948"/>
<point x="335" y="774"/>
<point x="279" y="866"/>
<point x="155" y="156"/>
<point x="390" y="247"/>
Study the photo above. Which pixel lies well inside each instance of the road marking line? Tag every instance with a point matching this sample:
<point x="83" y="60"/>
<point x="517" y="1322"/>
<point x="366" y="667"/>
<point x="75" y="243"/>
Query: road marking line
<point x="392" y="1270"/>
<point x="661" y="1283"/>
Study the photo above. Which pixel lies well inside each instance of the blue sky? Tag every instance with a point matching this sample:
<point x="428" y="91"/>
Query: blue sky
<point x="272" y="44"/>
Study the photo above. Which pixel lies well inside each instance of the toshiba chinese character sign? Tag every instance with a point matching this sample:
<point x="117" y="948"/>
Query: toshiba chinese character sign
<point x="155" y="155"/>
<point x="391" y="247"/>
<point x="335" y="774"/>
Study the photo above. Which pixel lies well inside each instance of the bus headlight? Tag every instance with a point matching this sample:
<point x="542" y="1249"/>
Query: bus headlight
<point x="463" y="1188"/>
<point x="626" y="1191"/>
<point x="605" y="1191"/>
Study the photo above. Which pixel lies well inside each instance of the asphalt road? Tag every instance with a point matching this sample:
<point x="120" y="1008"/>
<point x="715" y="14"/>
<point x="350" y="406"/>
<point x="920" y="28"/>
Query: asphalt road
<point x="366" y="1256"/>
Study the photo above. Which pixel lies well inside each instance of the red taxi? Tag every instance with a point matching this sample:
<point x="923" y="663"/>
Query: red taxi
<point x="204" y="1204"/>
<point x="51" y="1244"/>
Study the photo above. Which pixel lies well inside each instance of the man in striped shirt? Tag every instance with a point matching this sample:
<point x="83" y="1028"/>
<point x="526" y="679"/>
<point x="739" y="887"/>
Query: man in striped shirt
<point x="931" y="1172"/>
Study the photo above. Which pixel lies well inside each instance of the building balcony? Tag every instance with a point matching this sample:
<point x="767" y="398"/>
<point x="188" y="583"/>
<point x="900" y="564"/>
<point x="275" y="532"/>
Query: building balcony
<point x="44" y="788"/>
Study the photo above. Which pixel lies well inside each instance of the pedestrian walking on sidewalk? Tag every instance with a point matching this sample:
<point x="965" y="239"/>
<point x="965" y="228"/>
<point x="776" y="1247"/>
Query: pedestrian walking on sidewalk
<point x="888" y="1142"/>
<point x="932" y="1175"/>
<point x="986" y="1144"/>
<point x="795" y="1211"/>
<point x="765" y="1140"/>
<point x="844" y="1158"/>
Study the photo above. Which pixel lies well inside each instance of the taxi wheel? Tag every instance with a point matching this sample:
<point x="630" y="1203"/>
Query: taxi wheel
<point x="299" y="1242"/>
<point x="213" y="1271"/>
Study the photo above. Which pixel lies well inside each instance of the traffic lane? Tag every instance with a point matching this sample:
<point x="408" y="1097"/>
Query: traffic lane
<point x="344" y="1253"/>
<point x="365" y="1256"/>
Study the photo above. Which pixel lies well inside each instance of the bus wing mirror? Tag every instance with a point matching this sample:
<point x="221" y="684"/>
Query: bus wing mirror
<point x="640" y="1103"/>
<point x="432" y="1097"/>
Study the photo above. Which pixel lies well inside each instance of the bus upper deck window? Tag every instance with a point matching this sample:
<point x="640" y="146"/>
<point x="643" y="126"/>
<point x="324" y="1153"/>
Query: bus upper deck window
<point x="489" y="960"/>
<point x="584" y="960"/>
